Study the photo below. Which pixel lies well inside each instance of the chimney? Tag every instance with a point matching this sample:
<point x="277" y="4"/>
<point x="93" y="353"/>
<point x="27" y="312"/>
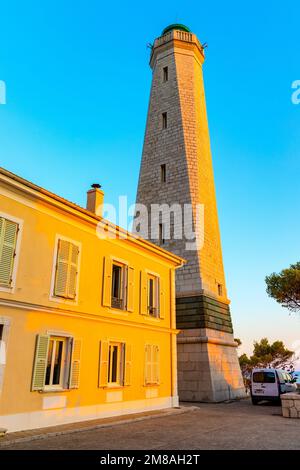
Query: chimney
<point x="95" y="198"/>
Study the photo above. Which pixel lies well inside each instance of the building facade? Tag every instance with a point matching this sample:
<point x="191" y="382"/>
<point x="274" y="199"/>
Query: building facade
<point x="177" y="175"/>
<point x="87" y="313"/>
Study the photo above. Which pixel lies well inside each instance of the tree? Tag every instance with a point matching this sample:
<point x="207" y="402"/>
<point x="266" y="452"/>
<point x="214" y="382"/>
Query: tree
<point x="285" y="287"/>
<point x="267" y="355"/>
<point x="270" y="355"/>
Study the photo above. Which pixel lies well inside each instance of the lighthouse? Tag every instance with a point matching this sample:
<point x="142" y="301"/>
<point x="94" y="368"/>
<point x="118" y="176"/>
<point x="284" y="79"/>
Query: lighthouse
<point x="176" y="185"/>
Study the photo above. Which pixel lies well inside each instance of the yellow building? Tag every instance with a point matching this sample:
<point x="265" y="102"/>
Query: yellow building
<point x="87" y="323"/>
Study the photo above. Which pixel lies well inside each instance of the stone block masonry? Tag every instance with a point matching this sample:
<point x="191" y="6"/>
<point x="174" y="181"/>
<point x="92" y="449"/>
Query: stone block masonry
<point x="290" y="405"/>
<point x="207" y="364"/>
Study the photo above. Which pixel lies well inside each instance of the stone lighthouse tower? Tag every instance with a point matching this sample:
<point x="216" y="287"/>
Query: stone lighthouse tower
<point x="177" y="172"/>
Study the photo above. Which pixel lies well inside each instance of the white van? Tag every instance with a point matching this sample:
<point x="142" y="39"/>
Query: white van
<point x="269" y="384"/>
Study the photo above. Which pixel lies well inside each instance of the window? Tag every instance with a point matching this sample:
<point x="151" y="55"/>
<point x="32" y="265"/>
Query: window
<point x="165" y="74"/>
<point x="161" y="234"/>
<point x="118" y="286"/>
<point x="2" y="350"/>
<point x="220" y="289"/>
<point x="8" y="241"/>
<point x="66" y="273"/>
<point x="56" y="363"/>
<point x="164" y="121"/>
<point x="151" y="364"/>
<point x="152" y="291"/>
<point x="163" y="173"/>
<point x="152" y="295"/>
<point x="115" y="364"/>
<point x="264" y="377"/>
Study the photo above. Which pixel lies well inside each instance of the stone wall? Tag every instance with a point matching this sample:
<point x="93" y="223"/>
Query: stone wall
<point x="203" y="312"/>
<point x="290" y="405"/>
<point x="208" y="367"/>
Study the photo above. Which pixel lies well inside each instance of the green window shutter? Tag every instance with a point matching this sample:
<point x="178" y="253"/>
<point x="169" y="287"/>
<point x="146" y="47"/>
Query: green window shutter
<point x="40" y="362"/>
<point x="62" y="265"/>
<point x="103" y="364"/>
<point x="155" y="364"/>
<point x="8" y="241"/>
<point x="73" y="270"/>
<point x="128" y="364"/>
<point x="143" y="294"/>
<point x="66" y="269"/>
<point x="148" y="364"/>
<point x="161" y="298"/>
<point x="107" y="280"/>
<point x="75" y="364"/>
<point x="130" y="289"/>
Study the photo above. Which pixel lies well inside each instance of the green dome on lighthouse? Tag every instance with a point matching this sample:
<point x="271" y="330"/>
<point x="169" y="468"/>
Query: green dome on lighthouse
<point x="179" y="26"/>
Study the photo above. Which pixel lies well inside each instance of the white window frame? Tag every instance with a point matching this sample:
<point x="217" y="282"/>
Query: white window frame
<point x="52" y="296"/>
<point x="125" y="266"/>
<point x="121" y="362"/>
<point x="123" y="285"/>
<point x="11" y="289"/>
<point x="157" y="300"/>
<point x="5" y="322"/>
<point x="69" y="338"/>
<point x="64" y="364"/>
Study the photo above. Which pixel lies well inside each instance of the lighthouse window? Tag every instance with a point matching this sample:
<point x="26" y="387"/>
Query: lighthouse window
<point x="165" y="74"/>
<point x="161" y="234"/>
<point x="163" y="174"/>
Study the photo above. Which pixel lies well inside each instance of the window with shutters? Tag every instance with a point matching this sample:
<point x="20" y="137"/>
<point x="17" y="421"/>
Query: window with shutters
<point x="115" y="364"/>
<point x="66" y="269"/>
<point x="152" y="364"/>
<point x="4" y="329"/>
<point x="56" y="359"/>
<point x="8" y="245"/>
<point x="56" y="363"/>
<point x="118" y="286"/>
<point x="153" y="295"/>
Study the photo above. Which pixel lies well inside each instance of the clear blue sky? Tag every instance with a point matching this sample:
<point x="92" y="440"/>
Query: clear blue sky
<point x="78" y="83"/>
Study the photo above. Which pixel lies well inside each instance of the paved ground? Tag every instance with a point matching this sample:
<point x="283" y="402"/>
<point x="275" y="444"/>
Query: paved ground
<point x="238" y="425"/>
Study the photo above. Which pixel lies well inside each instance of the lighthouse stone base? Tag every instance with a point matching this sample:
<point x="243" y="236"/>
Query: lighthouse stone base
<point x="208" y="366"/>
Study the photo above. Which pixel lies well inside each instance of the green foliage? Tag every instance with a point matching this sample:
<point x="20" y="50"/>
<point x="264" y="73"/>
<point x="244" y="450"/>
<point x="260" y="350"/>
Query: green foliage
<point x="266" y="355"/>
<point x="244" y="360"/>
<point x="285" y="287"/>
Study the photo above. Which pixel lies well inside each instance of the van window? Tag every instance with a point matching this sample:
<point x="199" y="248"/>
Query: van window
<point x="264" y="377"/>
<point x="287" y="377"/>
<point x="281" y="376"/>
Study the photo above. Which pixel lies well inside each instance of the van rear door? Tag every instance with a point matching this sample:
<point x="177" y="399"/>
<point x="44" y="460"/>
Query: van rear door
<point x="264" y="383"/>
